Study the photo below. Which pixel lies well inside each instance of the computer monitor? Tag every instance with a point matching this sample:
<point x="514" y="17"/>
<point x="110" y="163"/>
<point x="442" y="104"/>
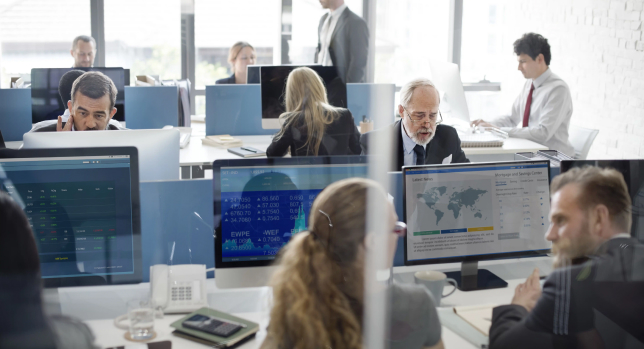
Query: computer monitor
<point x="447" y="78"/>
<point x="633" y="172"/>
<point x="252" y="74"/>
<point x="260" y="203"/>
<point x="472" y="212"/>
<point x="45" y="99"/>
<point x="273" y="85"/>
<point x="83" y="208"/>
<point x="158" y="149"/>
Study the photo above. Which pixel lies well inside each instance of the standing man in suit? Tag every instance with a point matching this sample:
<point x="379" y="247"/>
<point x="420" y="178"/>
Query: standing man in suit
<point x="593" y="298"/>
<point x="84" y="51"/>
<point x="343" y="41"/>
<point x="419" y="138"/>
<point x="542" y="112"/>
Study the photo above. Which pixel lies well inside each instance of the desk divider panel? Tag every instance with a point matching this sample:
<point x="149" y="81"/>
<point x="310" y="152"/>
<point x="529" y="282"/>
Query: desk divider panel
<point x="237" y="109"/>
<point x="177" y="223"/>
<point x="396" y="190"/>
<point x="15" y="113"/>
<point x="370" y="100"/>
<point x="151" y="107"/>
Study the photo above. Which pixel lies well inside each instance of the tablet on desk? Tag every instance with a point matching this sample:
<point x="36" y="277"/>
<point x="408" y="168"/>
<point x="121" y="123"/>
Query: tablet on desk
<point x="153" y="345"/>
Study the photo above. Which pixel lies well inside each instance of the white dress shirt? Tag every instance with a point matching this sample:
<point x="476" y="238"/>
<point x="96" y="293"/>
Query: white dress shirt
<point x="65" y="117"/>
<point x="550" y="113"/>
<point x="408" y="147"/>
<point x="326" y="33"/>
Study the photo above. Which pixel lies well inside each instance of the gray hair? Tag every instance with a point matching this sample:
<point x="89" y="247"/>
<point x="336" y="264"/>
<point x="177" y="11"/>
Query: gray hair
<point x="95" y="85"/>
<point x="85" y="38"/>
<point x="408" y="89"/>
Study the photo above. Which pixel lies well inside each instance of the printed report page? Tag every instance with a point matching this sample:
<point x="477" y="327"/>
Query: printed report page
<point x="476" y="210"/>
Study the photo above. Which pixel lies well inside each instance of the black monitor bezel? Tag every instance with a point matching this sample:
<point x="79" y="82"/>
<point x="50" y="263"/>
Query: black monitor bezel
<point x="132" y="152"/>
<point x="294" y="161"/>
<point x="532" y="253"/>
<point x="120" y="112"/>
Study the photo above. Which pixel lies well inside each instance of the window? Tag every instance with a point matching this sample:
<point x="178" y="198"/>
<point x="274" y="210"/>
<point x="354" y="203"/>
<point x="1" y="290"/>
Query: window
<point x="221" y="23"/>
<point x="305" y="20"/>
<point x="409" y="33"/>
<point x="144" y="36"/>
<point x="39" y="34"/>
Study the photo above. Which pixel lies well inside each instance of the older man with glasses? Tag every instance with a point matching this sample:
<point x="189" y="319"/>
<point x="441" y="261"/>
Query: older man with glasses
<point x="419" y="138"/>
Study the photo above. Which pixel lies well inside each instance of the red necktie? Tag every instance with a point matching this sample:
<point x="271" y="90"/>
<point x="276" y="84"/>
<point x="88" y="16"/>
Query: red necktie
<point x="526" y="113"/>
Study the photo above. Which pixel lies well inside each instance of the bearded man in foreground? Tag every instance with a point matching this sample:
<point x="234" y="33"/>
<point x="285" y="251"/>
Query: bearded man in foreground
<point x="594" y="298"/>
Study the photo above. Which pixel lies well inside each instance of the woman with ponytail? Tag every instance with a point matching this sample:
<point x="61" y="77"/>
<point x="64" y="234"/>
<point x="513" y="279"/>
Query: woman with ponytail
<point x="310" y="125"/>
<point x="318" y="289"/>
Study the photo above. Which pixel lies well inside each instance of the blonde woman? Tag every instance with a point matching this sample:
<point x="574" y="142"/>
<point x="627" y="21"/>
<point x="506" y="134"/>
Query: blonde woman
<point x="319" y="287"/>
<point x="241" y="55"/>
<point x="310" y="125"/>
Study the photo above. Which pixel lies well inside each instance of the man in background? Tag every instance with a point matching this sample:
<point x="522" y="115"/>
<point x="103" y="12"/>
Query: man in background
<point x="541" y="113"/>
<point x="593" y="298"/>
<point x="84" y="51"/>
<point x="343" y="42"/>
<point x="90" y="106"/>
<point x="418" y="137"/>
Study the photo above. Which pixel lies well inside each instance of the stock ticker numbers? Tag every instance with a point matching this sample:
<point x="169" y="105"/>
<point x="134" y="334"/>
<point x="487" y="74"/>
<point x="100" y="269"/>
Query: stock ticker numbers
<point x="68" y="217"/>
<point x="255" y="225"/>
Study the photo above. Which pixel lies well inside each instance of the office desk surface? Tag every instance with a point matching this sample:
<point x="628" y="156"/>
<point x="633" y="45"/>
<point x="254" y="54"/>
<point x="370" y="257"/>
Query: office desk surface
<point x="97" y="306"/>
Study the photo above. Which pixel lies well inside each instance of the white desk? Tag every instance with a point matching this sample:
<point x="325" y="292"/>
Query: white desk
<point x="97" y="306"/>
<point x="195" y="158"/>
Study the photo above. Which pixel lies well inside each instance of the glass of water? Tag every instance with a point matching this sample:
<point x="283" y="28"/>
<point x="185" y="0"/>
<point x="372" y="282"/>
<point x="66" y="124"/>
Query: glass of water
<point x="141" y="313"/>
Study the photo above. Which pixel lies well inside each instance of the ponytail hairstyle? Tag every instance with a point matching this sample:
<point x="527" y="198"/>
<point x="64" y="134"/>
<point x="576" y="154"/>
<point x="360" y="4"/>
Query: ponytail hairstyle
<point x="307" y="107"/>
<point x="318" y="289"/>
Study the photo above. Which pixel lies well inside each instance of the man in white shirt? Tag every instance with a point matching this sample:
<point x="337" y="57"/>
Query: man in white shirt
<point x="541" y="113"/>
<point x="343" y="41"/>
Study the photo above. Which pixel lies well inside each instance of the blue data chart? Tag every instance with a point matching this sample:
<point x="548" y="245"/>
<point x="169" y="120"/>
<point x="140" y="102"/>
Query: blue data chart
<point x="262" y="210"/>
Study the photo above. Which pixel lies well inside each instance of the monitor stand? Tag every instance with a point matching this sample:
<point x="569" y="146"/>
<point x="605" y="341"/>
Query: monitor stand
<point x="471" y="278"/>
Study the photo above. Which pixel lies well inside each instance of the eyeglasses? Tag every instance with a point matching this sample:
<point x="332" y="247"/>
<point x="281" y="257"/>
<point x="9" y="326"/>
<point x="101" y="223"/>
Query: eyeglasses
<point x="400" y="229"/>
<point x="434" y="119"/>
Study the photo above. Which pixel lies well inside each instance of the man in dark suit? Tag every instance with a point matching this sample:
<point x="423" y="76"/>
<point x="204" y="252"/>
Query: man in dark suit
<point x="90" y="105"/>
<point x="343" y="41"/>
<point x="593" y="299"/>
<point x="418" y="137"/>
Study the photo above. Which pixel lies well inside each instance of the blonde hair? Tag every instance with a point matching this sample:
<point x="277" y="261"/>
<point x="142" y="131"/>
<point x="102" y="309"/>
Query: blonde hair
<point x="306" y="103"/>
<point x="234" y="51"/>
<point x="318" y="289"/>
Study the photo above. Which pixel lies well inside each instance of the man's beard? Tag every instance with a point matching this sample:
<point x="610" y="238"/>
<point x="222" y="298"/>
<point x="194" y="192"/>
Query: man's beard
<point x="414" y="137"/>
<point x="567" y="250"/>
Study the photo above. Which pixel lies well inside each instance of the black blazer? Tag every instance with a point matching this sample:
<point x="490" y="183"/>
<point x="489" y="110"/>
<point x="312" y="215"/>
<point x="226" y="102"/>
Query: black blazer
<point x="340" y="138"/>
<point x="226" y="81"/>
<point x="444" y="144"/>
<point x="602" y="294"/>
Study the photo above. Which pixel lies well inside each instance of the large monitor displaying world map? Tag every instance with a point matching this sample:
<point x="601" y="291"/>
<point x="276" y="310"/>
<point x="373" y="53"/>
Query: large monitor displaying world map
<point x="469" y="210"/>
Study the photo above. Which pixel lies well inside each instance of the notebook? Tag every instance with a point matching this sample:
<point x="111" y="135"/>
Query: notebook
<point x="222" y="141"/>
<point x="479" y="316"/>
<point x="212" y="340"/>
<point x="480" y="140"/>
<point x="247" y="152"/>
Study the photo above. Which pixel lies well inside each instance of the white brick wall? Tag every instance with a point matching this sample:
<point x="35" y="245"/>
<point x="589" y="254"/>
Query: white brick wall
<point x="598" y="49"/>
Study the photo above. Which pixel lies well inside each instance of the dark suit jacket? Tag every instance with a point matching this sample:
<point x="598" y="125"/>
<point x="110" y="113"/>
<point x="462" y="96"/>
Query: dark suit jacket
<point x="226" y="81"/>
<point x="340" y="138"/>
<point x="600" y="298"/>
<point x="444" y="144"/>
<point x="349" y="46"/>
<point x="52" y="128"/>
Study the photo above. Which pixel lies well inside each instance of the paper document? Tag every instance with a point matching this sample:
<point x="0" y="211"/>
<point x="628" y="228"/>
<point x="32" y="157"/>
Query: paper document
<point x="479" y="316"/>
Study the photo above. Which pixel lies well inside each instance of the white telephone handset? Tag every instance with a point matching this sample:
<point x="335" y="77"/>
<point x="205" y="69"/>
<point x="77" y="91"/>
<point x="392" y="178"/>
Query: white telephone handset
<point x="179" y="288"/>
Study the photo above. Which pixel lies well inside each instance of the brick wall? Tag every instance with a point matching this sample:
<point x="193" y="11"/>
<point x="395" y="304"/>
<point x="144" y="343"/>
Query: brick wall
<point x="598" y="49"/>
